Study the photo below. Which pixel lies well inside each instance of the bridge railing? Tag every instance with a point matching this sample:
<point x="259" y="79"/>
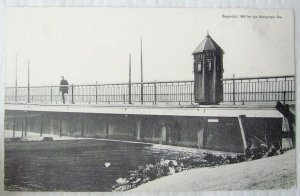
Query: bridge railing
<point x="260" y="89"/>
<point x="153" y="92"/>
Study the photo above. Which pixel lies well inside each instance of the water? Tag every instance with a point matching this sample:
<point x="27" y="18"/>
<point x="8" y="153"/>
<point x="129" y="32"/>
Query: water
<point x="74" y="165"/>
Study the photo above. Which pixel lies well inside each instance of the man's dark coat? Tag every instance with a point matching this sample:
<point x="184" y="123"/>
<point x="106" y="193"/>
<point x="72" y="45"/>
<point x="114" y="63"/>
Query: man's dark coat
<point x="62" y="88"/>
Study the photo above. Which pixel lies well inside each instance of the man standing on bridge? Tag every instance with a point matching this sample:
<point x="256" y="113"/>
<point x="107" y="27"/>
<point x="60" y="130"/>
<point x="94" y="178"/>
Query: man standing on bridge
<point x="64" y="88"/>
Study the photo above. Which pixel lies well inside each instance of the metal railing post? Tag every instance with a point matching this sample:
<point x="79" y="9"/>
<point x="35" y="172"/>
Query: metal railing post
<point x="129" y="93"/>
<point x="51" y="94"/>
<point x="284" y="92"/>
<point x="155" y="92"/>
<point x="16" y="94"/>
<point x="142" y="93"/>
<point x="96" y="92"/>
<point x="72" y="95"/>
<point x="233" y="89"/>
<point x="28" y="94"/>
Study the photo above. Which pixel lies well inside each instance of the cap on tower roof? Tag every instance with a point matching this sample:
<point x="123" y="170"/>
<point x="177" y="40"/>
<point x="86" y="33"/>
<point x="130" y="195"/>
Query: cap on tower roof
<point x="208" y="44"/>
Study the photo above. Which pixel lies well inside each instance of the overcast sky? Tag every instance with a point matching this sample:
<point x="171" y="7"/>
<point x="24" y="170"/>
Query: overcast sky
<point x="93" y="44"/>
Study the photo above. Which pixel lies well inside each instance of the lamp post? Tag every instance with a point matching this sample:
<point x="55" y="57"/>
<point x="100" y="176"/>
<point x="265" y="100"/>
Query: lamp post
<point x="129" y="82"/>
<point x="28" y="86"/>
<point x="142" y="86"/>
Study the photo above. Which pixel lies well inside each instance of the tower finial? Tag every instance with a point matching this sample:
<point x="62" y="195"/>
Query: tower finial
<point x="207" y="33"/>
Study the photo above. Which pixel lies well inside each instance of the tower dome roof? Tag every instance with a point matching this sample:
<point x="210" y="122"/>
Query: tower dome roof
<point x="208" y="44"/>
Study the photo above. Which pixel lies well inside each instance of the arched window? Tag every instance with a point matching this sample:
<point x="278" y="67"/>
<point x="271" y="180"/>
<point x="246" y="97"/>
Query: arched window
<point x="209" y="65"/>
<point x="199" y="67"/>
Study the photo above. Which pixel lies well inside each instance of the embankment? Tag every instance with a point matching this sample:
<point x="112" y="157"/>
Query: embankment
<point x="278" y="172"/>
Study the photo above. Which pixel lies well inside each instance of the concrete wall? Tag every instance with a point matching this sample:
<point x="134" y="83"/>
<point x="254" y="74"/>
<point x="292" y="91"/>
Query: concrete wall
<point x="221" y="133"/>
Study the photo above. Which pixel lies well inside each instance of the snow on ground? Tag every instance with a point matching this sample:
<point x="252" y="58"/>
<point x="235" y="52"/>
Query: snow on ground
<point x="278" y="172"/>
<point x="191" y="150"/>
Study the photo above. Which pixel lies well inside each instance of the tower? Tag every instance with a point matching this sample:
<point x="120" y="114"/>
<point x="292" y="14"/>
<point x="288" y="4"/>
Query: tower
<point x="208" y="72"/>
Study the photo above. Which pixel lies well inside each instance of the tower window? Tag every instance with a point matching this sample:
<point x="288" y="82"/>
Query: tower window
<point x="209" y="65"/>
<point x="199" y="67"/>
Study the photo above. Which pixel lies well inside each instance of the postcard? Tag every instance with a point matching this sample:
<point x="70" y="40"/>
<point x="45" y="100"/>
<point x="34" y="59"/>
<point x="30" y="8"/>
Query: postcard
<point x="149" y="99"/>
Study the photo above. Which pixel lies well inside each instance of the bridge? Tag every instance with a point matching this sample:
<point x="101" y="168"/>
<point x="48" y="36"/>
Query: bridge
<point x="165" y="113"/>
<point x="211" y="112"/>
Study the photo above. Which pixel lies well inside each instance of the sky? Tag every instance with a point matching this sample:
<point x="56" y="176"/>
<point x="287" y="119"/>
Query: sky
<point x="93" y="44"/>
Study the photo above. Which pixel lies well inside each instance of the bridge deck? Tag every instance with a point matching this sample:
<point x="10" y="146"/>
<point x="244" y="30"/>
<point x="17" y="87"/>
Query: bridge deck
<point x="168" y="110"/>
